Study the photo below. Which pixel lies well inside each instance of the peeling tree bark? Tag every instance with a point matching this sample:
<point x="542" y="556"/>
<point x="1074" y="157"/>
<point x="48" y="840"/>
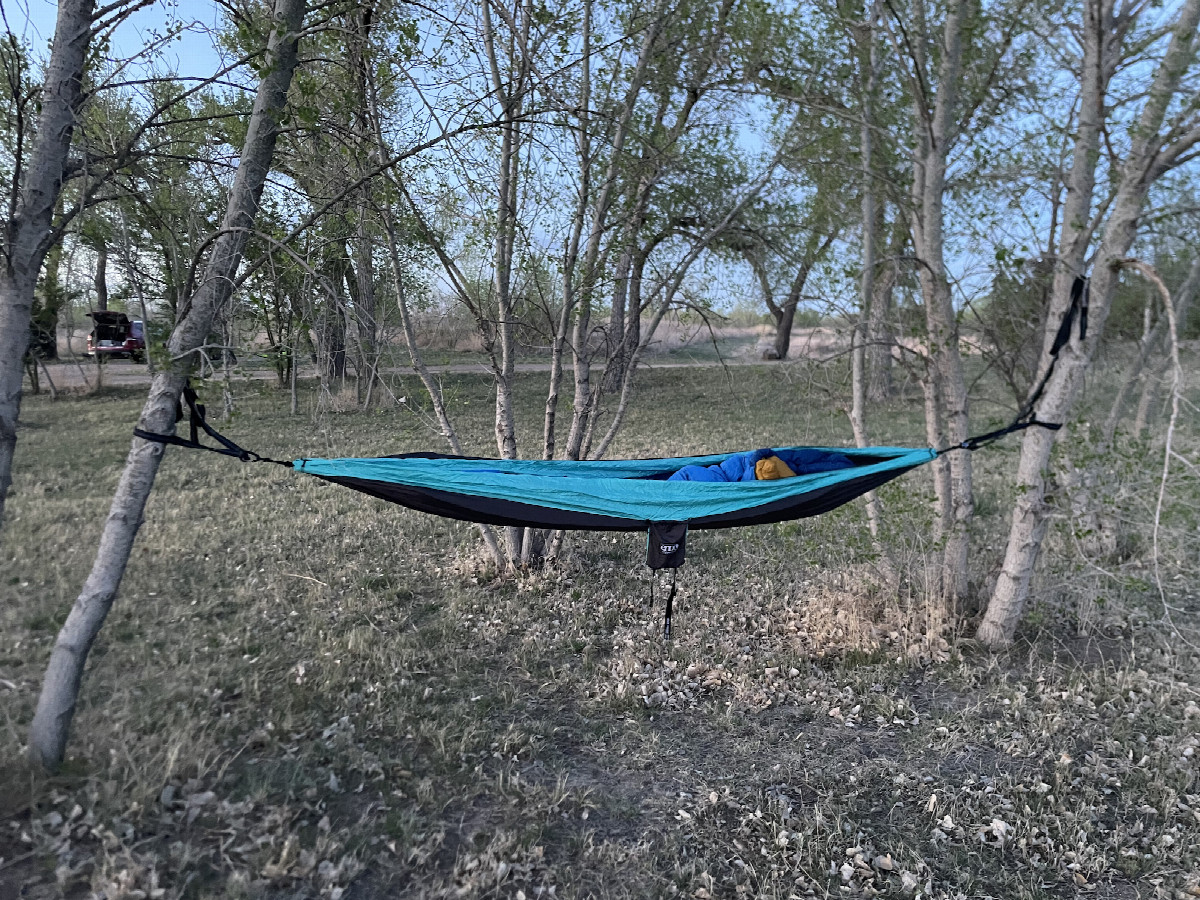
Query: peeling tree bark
<point x="1151" y="154"/>
<point x="60" y="689"/>
<point x="27" y="236"/>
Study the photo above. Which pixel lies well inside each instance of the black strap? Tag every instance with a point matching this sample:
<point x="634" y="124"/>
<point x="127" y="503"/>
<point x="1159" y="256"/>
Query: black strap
<point x="1027" y="418"/>
<point x="670" y="601"/>
<point x="196" y="422"/>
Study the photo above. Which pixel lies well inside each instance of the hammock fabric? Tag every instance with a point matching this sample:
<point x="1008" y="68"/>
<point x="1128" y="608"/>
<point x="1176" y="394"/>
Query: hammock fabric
<point x="608" y="495"/>
<point x="621" y="495"/>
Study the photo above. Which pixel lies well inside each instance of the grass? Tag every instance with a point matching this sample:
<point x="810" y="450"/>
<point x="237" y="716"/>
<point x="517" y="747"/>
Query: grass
<point x="303" y="692"/>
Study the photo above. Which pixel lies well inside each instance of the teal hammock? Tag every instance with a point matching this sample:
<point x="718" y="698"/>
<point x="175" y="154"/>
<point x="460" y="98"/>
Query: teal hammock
<point x="628" y="494"/>
<point x="609" y="495"/>
<point x="623" y="495"/>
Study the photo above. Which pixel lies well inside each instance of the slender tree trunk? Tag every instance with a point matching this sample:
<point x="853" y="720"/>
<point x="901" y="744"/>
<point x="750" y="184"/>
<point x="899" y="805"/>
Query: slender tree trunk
<point x="858" y="393"/>
<point x="509" y="86"/>
<point x="1151" y="364"/>
<point x="870" y="225"/>
<point x="584" y="151"/>
<point x="880" y="338"/>
<point x="364" y="307"/>
<point x="432" y="388"/>
<point x="947" y="397"/>
<point x="100" y="280"/>
<point x="293" y="362"/>
<point x="60" y="689"/>
<point x="1149" y="157"/>
<point x="228" y="403"/>
<point x="29" y="234"/>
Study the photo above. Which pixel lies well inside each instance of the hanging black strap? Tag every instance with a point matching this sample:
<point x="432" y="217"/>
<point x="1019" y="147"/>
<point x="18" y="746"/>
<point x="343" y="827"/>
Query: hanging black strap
<point x="670" y="601"/>
<point x="1027" y="417"/>
<point x="196" y="423"/>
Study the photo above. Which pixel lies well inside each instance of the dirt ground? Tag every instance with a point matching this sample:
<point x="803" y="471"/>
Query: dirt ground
<point x="305" y="694"/>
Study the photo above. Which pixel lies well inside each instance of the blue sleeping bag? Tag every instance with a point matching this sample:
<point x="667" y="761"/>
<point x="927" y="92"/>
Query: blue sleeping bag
<point x="740" y="466"/>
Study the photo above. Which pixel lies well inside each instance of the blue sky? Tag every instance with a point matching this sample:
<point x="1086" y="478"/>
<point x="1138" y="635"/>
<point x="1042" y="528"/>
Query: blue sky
<point x="193" y="54"/>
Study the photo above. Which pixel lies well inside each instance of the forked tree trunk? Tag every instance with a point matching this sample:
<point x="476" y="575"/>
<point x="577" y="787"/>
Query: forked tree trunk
<point x="946" y="396"/>
<point x="815" y="248"/>
<point x="1150" y="156"/>
<point x="60" y="689"/>
<point x="29" y="234"/>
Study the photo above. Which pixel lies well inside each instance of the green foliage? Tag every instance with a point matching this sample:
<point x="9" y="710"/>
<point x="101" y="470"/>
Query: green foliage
<point x="1011" y="320"/>
<point x="1136" y="297"/>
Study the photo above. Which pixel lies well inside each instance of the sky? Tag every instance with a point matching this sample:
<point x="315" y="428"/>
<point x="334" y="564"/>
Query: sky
<point x="193" y="54"/>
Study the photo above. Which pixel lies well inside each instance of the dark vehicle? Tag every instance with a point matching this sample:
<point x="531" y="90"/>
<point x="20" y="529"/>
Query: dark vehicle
<point x="115" y="335"/>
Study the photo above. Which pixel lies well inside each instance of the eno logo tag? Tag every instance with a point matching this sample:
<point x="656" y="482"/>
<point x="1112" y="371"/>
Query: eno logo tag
<point x="668" y="548"/>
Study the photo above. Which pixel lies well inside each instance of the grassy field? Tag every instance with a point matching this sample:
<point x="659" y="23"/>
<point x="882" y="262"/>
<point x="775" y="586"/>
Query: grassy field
<point x="303" y="692"/>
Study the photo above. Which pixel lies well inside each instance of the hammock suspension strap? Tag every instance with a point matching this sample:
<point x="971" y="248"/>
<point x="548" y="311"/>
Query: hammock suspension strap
<point x="1027" y="417"/>
<point x="670" y="601"/>
<point x="197" y="423"/>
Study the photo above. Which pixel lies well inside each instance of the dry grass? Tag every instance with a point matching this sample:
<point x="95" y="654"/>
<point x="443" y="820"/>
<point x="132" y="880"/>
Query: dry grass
<point x="306" y="693"/>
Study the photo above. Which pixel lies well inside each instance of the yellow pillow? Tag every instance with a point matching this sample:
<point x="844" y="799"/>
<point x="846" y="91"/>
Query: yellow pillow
<point x="771" y="468"/>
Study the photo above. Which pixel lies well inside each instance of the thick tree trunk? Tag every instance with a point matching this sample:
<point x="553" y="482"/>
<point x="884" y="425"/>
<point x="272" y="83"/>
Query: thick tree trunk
<point x="16" y="304"/>
<point x="28" y="234"/>
<point x="815" y="247"/>
<point x="331" y="323"/>
<point x="46" y="306"/>
<point x="782" y="344"/>
<point x="1146" y="161"/>
<point x="60" y="689"/>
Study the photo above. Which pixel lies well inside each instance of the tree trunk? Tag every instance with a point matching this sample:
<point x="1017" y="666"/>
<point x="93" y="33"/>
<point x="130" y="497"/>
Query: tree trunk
<point x="814" y="249"/>
<point x="1151" y="363"/>
<point x="28" y="235"/>
<point x="880" y="337"/>
<point x="46" y="306"/>
<point x="870" y="232"/>
<point x="947" y="396"/>
<point x="60" y="689"/>
<point x="100" y="280"/>
<point x="783" y="332"/>
<point x="1149" y="157"/>
<point x="364" y="309"/>
<point x="432" y="388"/>
<point x="331" y="322"/>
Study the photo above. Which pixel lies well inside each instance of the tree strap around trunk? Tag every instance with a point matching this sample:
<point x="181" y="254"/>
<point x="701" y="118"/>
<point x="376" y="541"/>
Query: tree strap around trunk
<point x="1027" y="417"/>
<point x="198" y="422"/>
